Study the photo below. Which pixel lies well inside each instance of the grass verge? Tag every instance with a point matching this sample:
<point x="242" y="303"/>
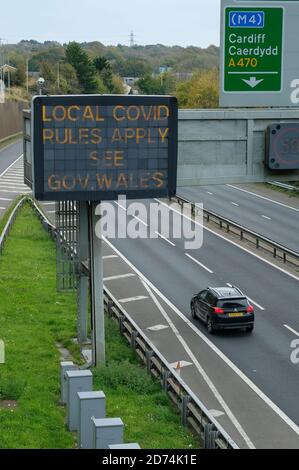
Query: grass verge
<point x="33" y="319"/>
<point x="287" y="192"/>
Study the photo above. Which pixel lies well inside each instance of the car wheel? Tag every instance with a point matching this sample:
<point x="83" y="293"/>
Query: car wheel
<point x="249" y="329"/>
<point x="193" y="311"/>
<point x="210" y="326"/>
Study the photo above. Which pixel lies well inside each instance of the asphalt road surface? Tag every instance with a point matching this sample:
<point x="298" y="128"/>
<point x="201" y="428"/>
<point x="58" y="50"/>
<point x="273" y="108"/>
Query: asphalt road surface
<point x="264" y="356"/>
<point x="265" y="215"/>
<point x="11" y="175"/>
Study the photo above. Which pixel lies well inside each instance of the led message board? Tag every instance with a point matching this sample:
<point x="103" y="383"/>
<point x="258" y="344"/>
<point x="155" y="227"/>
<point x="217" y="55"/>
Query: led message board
<point x="96" y="147"/>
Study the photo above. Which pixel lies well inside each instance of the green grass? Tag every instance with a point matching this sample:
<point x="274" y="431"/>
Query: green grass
<point x="287" y="192"/>
<point x="33" y="318"/>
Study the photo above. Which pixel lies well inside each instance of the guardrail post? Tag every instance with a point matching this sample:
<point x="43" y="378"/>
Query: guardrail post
<point x="165" y="377"/>
<point x="184" y="409"/>
<point x="149" y="354"/>
<point x="133" y="339"/>
<point x="210" y="436"/>
<point x="109" y="308"/>
<point x="193" y="209"/>
<point x="121" y="323"/>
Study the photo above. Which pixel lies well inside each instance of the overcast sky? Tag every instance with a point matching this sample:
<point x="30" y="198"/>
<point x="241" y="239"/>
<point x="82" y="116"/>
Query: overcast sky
<point x="169" y="22"/>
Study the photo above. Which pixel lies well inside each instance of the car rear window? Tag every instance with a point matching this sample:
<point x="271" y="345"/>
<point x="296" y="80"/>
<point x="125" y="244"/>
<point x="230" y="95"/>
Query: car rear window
<point x="232" y="303"/>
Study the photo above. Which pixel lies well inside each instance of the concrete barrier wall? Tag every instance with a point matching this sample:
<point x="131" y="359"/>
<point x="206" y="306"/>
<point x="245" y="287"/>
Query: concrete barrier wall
<point x="228" y="146"/>
<point x="11" y="118"/>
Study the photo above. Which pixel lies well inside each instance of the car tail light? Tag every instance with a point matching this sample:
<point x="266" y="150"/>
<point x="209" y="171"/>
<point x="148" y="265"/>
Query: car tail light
<point x="250" y="309"/>
<point x="218" y="310"/>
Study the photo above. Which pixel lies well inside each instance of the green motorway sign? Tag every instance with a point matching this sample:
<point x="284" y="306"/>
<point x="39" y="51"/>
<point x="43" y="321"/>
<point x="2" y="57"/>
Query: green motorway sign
<point x="253" y="49"/>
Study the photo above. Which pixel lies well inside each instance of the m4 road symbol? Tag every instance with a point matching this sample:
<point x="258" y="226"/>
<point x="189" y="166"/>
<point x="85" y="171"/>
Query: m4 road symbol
<point x="246" y="19"/>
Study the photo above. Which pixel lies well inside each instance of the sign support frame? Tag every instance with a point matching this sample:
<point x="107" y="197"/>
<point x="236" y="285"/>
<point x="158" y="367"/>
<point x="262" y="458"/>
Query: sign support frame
<point x="83" y="279"/>
<point x="96" y="288"/>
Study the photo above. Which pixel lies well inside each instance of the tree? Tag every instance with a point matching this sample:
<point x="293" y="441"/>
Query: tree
<point x="18" y="77"/>
<point x="149" y="85"/>
<point x="86" y="72"/>
<point x="201" y="91"/>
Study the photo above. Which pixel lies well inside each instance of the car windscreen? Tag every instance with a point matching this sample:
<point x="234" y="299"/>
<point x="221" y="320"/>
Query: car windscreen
<point x="232" y="303"/>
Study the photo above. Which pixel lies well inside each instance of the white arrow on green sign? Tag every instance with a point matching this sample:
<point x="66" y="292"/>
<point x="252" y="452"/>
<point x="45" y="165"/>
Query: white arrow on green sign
<point x="253" y="49"/>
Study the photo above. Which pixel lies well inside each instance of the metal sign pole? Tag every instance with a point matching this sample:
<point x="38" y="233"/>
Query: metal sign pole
<point x="96" y="289"/>
<point x="83" y="279"/>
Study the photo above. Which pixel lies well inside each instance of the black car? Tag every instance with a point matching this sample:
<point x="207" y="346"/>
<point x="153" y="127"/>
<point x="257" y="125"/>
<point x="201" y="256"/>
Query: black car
<point x="223" y="308"/>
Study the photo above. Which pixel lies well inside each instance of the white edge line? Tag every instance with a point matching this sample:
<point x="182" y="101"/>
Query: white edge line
<point x="214" y="348"/>
<point x="263" y="197"/>
<point x="291" y="329"/>
<point x="11" y="165"/>
<point x="255" y="303"/>
<point x="164" y="238"/>
<point x="200" y="264"/>
<point x="233" y="243"/>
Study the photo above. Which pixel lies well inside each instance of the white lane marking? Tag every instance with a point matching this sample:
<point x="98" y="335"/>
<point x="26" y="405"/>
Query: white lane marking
<point x="255" y="303"/>
<point x="252" y="301"/>
<point x="139" y="220"/>
<point x="232" y="242"/>
<point x="51" y="212"/>
<point x="291" y="329"/>
<point x="216" y="413"/>
<point x="20" y="187"/>
<point x="122" y="207"/>
<point x="9" y="190"/>
<point x="180" y="363"/>
<point x="164" y="238"/>
<point x="266" y="217"/>
<point x="211" y="345"/>
<point x="134" y="216"/>
<point x="118" y="276"/>
<point x="157" y="327"/>
<point x="47" y="203"/>
<point x="5" y="199"/>
<point x="263" y="197"/>
<point x="110" y="256"/>
<point x="200" y="264"/>
<point x="5" y="171"/>
<point x="133" y="299"/>
<point x="211" y="194"/>
<point x="3" y="208"/>
<point x="200" y="369"/>
<point x="235" y="204"/>
<point x="12" y="179"/>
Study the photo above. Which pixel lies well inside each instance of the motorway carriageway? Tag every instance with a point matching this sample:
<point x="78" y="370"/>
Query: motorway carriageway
<point x="264" y="356"/>
<point x="11" y="175"/>
<point x="256" y="211"/>
<point x="260" y="363"/>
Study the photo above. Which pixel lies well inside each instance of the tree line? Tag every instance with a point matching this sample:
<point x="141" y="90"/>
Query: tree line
<point x="93" y="68"/>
